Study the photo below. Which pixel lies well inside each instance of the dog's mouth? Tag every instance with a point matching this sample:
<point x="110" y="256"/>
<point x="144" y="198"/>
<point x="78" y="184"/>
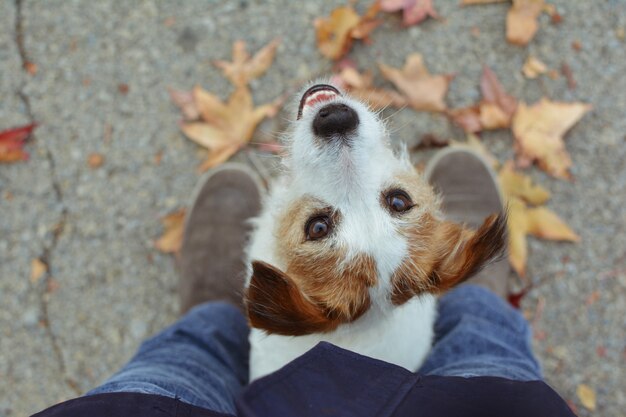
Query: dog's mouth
<point x="317" y="94"/>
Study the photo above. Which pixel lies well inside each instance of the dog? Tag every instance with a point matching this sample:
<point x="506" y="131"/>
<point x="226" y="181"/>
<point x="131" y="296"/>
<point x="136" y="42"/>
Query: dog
<point x="351" y="247"/>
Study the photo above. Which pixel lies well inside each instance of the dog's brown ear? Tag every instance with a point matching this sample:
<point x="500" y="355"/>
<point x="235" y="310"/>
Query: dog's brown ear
<point x="455" y="254"/>
<point x="275" y="303"/>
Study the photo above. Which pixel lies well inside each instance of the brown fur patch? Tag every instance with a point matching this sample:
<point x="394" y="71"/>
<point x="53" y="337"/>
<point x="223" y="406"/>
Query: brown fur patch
<point x="320" y="287"/>
<point x="443" y="254"/>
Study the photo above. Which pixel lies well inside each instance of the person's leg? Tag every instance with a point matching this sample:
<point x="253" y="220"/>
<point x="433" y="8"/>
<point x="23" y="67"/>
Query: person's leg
<point x="477" y="333"/>
<point x="203" y="358"/>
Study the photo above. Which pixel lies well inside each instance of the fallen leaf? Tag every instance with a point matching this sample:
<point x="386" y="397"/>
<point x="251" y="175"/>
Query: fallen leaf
<point x="494" y="111"/>
<point x="225" y="128"/>
<point x="539" y="130"/>
<point x="569" y="75"/>
<point x="521" y="21"/>
<point x="429" y="141"/>
<point x="243" y="67"/>
<point x="12" y="142"/>
<point x="413" y="11"/>
<point x="37" y="270"/>
<point x="336" y="33"/>
<point x="123" y="88"/>
<point x="172" y="238"/>
<point x="423" y="91"/>
<point x="524" y="219"/>
<point x="95" y="160"/>
<point x="533" y="67"/>
<point x="361" y="87"/>
<point x="577" y="46"/>
<point x="587" y="396"/>
<point x="31" y="67"/>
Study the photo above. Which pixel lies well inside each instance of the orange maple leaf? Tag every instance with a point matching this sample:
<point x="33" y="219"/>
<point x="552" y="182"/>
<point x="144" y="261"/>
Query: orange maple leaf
<point x="336" y="33"/>
<point x="539" y="130"/>
<point x="521" y="20"/>
<point x="243" y="67"/>
<point x="413" y="11"/>
<point x="422" y="90"/>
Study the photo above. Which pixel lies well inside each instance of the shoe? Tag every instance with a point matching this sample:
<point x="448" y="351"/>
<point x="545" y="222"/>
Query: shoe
<point x="470" y="192"/>
<point x="216" y="231"/>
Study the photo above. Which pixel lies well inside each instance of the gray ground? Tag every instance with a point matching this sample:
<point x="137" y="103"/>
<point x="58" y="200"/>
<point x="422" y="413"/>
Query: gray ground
<point x="95" y="228"/>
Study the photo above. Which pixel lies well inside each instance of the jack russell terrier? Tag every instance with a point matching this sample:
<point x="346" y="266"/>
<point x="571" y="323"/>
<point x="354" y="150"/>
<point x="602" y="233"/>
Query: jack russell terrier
<point x="351" y="247"/>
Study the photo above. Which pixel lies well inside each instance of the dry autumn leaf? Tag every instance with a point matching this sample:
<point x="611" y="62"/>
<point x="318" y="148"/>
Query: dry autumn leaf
<point x="424" y="91"/>
<point x="186" y="103"/>
<point x="225" y="128"/>
<point x="12" y="142"/>
<point x="494" y="111"/>
<point x="360" y="86"/>
<point x="336" y="33"/>
<point x="413" y="11"/>
<point x="524" y="219"/>
<point x="587" y="396"/>
<point x="521" y="20"/>
<point x="533" y="67"/>
<point x="472" y="2"/>
<point x="172" y="238"/>
<point x="539" y="130"/>
<point x="243" y="67"/>
<point x="37" y="270"/>
<point x="95" y="160"/>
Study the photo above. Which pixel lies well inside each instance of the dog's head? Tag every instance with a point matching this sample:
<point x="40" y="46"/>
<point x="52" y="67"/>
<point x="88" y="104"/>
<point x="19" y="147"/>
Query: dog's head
<point x="352" y="226"/>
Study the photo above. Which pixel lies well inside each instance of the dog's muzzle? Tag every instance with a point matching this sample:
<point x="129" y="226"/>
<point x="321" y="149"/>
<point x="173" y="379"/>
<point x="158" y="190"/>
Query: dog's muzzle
<point x="334" y="120"/>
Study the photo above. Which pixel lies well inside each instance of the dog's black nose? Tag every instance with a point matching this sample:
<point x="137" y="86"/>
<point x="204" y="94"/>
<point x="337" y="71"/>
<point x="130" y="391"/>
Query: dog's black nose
<point x="335" y="119"/>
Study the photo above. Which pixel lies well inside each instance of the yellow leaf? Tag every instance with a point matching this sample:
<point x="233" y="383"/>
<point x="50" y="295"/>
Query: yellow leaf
<point x="518" y="185"/>
<point x="587" y="396"/>
<point x="545" y="224"/>
<point x="172" y="238"/>
<point x="539" y="131"/>
<point x="523" y="220"/>
<point x="225" y="128"/>
<point x="244" y="68"/>
<point x="521" y="20"/>
<point x="423" y="91"/>
<point x="37" y="270"/>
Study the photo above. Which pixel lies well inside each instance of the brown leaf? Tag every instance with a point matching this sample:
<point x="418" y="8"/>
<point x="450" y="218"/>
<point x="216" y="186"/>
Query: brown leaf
<point x="525" y="220"/>
<point x="521" y="21"/>
<point x="37" y="270"/>
<point x="533" y="67"/>
<point x="225" y="127"/>
<point x="587" y="396"/>
<point x="423" y="91"/>
<point x="413" y="11"/>
<point x="539" y="130"/>
<point x="360" y="86"/>
<point x="12" y="142"/>
<point x="172" y="238"/>
<point x="243" y="67"/>
<point x="336" y="33"/>
<point x="494" y="111"/>
<point x="429" y="141"/>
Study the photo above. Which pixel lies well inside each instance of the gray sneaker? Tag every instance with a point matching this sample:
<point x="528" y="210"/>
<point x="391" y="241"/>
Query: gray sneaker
<point x="470" y="192"/>
<point x="211" y="263"/>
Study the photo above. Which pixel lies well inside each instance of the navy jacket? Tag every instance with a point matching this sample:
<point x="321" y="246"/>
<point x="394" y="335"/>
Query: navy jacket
<point x="330" y="381"/>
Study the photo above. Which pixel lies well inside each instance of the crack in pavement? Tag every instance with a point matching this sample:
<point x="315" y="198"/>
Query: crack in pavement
<point x="46" y="255"/>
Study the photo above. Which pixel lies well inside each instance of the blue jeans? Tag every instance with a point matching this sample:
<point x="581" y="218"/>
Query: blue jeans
<point x="203" y="358"/>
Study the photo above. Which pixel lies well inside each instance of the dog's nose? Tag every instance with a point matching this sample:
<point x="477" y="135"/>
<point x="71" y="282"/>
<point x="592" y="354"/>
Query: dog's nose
<point x="335" y="119"/>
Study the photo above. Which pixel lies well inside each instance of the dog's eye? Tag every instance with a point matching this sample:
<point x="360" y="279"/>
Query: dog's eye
<point x="398" y="201"/>
<point x="318" y="227"/>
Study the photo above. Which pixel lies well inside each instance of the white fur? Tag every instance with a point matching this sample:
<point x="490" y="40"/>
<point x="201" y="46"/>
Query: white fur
<point x="350" y="179"/>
